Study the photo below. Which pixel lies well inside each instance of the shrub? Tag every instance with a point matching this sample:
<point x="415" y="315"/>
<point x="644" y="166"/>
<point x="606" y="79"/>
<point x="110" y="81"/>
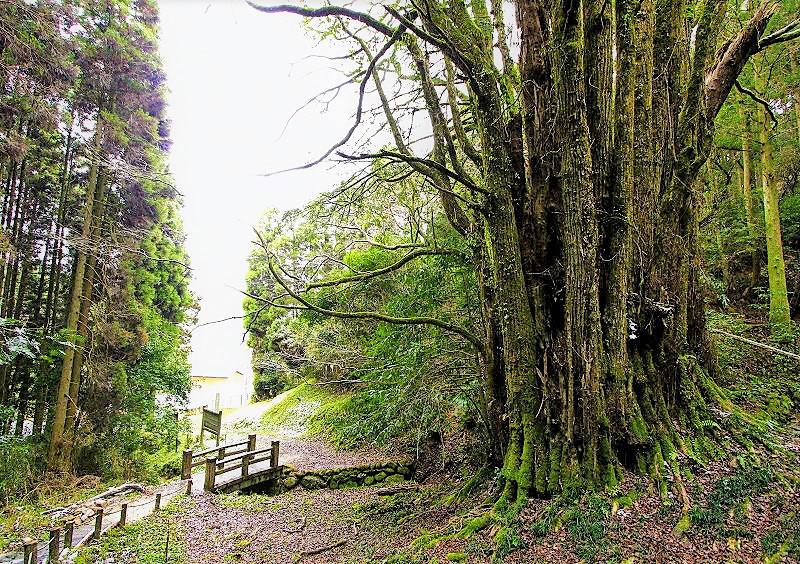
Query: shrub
<point x="21" y="460"/>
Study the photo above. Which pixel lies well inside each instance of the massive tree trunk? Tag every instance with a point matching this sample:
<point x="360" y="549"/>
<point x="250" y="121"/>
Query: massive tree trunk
<point x="619" y="368"/>
<point x="585" y="192"/>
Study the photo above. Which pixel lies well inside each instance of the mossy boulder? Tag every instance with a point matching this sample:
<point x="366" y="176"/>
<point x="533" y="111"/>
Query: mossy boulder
<point x="290" y="482"/>
<point x="312" y="482"/>
<point x="380" y="477"/>
<point x="395" y="479"/>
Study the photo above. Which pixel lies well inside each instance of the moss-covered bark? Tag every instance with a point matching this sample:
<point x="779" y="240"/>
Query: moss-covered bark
<point x="584" y="202"/>
<point x="779" y="311"/>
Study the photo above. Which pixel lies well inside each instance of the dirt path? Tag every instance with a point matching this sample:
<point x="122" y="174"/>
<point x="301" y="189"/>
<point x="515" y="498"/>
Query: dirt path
<point x="308" y="526"/>
<point x="323" y="526"/>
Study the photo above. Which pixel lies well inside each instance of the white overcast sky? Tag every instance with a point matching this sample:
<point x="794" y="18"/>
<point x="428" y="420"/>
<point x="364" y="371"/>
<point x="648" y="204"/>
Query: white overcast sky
<point x="235" y="75"/>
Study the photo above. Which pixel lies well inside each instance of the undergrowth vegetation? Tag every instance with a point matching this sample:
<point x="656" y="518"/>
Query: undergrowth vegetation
<point x="152" y="540"/>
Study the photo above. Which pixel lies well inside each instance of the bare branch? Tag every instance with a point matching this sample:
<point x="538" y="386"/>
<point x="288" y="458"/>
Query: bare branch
<point x="755" y="97"/>
<point x="475" y="341"/>
<point x="374" y="273"/>
<point x="786" y="33"/>
<point x="412" y="159"/>
<point x="327" y="11"/>
<point x="359" y="110"/>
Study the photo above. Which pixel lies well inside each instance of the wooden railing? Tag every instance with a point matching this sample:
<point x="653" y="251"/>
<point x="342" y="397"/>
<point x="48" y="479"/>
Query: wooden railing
<point x="76" y="533"/>
<point x="244" y="461"/>
<point x="192" y="459"/>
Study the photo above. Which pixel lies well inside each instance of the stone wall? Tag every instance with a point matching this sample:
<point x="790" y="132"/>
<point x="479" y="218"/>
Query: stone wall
<point x="382" y="473"/>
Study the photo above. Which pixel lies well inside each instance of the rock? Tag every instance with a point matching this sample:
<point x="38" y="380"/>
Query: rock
<point x="369" y="480"/>
<point x="351" y="484"/>
<point x="456" y="556"/>
<point x="290" y="482"/>
<point x="380" y="477"/>
<point x="312" y="482"/>
<point x="395" y="479"/>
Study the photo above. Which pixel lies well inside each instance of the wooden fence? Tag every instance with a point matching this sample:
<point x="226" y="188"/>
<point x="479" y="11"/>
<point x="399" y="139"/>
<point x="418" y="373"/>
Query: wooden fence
<point x="52" y="550"/>
<point x="192" y="459"/>
<point x="215" y="467"/>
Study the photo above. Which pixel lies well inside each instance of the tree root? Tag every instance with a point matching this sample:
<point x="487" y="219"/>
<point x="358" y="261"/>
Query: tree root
<point x="322" y="549"/>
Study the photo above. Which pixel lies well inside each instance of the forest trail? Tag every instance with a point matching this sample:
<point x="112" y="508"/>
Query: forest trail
<point x="297" y="448"/>
<point x="324" y="525"/>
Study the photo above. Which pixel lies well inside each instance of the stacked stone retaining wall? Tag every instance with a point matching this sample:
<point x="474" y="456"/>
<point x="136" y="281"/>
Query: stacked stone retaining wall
<point x="381" y="473"/>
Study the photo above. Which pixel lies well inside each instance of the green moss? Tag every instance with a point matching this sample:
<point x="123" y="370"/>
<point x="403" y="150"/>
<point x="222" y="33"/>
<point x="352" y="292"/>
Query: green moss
<point x="683" y="525"/>
<point x="554" y="477"/>
<point x="456" y="556"/>
<point x="475" y="525"/>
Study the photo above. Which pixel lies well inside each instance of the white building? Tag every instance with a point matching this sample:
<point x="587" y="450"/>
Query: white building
<point x="219" y="392"/>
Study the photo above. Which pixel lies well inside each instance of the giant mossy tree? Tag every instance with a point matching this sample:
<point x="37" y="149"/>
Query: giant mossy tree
<point x="573" y="171"/>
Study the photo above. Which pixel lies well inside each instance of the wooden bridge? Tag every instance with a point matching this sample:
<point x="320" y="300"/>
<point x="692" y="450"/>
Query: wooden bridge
<point x="236" y="466"/>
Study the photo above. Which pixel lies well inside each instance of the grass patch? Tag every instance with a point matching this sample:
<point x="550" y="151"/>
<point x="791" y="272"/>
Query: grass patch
<point x="144" y="541"/>
<point x="254" y="503"/>
<point x="292" y="411"/>
<point x="731" y="493"/>
<point x="585" y="520"/>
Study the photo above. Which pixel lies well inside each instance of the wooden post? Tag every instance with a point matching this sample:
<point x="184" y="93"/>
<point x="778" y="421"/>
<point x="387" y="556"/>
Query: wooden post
<point x="29" y="551"/>
<point x="273" y="459"/>
<point x="98" y="523"/>
<point x="221" y="454"/>
<point x="158" y="502"/>
<point x="186" y="468"/>
<point x="245" y="465"/>
<point x="69" y="528"/>
<point x="189" y="487"/>
<point x="202" y="430"/>
<point x="123" y="515"/>
<point x="211" y="473"/>
<point x="251" y="442"/>
<point x="54" y="549"/>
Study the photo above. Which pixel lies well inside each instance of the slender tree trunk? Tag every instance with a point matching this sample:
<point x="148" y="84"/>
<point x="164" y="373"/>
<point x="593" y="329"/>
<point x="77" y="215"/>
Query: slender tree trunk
<point x="86" y="302"/>
<point x="747" y="193"/>
<point x="779" y="312"/>
<point x="795" y="59"/>
<point x="59" y="456"/>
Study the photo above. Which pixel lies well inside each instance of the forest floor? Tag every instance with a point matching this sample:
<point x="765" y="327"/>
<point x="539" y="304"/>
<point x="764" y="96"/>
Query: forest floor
<point x="744" y="508"/>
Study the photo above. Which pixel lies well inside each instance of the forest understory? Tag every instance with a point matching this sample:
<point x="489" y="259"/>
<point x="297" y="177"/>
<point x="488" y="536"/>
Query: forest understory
<point x="742" y="506"/>
<point x="557" y="273"/>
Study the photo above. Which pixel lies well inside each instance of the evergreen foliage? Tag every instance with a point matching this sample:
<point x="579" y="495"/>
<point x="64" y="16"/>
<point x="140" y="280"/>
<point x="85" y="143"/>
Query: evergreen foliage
<point x="93" y="272"/>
